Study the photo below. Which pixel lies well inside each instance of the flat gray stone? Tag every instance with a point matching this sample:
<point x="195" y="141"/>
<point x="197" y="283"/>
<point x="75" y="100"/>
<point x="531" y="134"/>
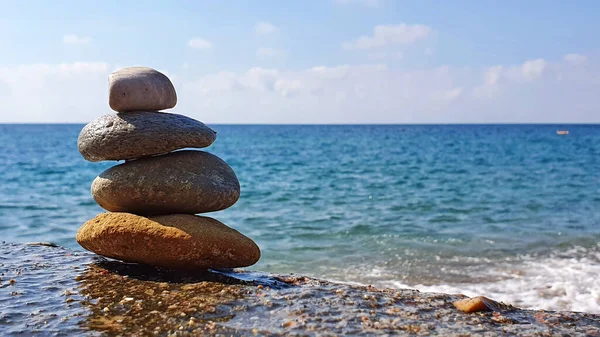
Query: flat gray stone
<point x="141" y="134"/>
<point x="186" y="182"/>
<point x="140" y="89"/>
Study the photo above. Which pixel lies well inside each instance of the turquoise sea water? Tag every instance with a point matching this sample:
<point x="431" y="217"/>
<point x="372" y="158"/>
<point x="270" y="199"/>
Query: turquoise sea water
<point x="507" y="211"/>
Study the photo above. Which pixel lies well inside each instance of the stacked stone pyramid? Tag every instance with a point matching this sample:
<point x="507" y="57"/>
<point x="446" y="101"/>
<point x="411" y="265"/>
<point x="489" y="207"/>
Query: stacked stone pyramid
<point x="154" y="196"/>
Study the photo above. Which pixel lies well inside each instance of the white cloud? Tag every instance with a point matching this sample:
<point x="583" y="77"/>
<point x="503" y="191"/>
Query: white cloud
<point x="269" y="52"/>
<point x="498" y="76"/>
<point x="387" y="35"/>
<point x="537" y="90"/>
<point x="492" y="75"/>
<point x="323" y="72"/>
<point x="199" y="43"/>
<point x="534" y="91"/>
<point x="366" y="3"/>
<point x="448" y="95"/>
<point x="528" y="71"/>
<point x="74" y="39"/>
<point x="534" y="68"/>
<point x="264" y="28"/>
<point x="70" y="92"/>
<point x="575" y="58"/>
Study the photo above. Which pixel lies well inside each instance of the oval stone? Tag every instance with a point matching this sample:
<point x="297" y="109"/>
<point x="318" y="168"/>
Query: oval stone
<point x="178" y="241"/>
<point x="186" y="181"/>
<point x="141" y="134"/>
<point x="140" y="89"/>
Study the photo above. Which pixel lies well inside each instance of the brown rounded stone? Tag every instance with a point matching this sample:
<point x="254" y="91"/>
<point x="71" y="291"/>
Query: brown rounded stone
<point x="178" y="241"/>
<point x="141" y="134"/>
<point x="480" y="303"/>
<point x="140" y="89"/>
<point x="186" y="182"/>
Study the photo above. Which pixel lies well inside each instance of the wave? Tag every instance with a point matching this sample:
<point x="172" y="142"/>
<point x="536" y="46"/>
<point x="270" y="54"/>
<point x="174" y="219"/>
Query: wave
<point x="562" y="281"/>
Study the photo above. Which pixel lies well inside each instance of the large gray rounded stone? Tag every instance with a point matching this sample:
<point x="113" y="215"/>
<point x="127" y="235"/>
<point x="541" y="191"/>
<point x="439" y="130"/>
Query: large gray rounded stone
<point x="187" y="182"/>
<point x="141" y="134"/>
<point x="140" y="89"/>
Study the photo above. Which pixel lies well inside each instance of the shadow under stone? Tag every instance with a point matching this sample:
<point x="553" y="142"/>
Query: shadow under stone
<point x="143" y="272"/>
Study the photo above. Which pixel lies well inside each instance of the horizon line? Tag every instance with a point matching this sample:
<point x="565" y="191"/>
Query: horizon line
<point x="337" y="124"/>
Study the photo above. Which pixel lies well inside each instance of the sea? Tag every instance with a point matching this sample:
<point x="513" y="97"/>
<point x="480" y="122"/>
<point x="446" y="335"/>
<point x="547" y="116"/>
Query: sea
<point x="511" y="212"/>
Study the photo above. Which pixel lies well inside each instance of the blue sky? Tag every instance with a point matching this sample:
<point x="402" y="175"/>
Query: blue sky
<point x="327" y="61"/>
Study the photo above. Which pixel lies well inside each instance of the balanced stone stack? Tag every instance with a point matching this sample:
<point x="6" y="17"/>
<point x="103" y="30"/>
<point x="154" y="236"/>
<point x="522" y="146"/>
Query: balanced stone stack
<point x="154" y="196"/>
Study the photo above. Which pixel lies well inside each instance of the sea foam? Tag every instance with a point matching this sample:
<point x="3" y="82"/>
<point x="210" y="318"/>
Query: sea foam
<point x="563" y="281"/>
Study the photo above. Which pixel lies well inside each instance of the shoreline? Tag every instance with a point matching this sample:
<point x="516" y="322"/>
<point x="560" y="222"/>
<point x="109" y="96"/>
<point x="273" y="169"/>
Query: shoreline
<point x="47" y="290"/>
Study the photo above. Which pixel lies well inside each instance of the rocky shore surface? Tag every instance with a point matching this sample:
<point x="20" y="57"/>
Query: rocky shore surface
<point x="52" y="291"/>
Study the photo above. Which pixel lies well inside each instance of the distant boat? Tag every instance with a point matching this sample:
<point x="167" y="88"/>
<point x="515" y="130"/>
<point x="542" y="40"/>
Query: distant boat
<point x="562" y="132"/>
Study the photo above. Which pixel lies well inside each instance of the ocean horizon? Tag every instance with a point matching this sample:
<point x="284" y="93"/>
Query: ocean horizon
<point x="509" y="211"/>
<point x="352" y="124"/>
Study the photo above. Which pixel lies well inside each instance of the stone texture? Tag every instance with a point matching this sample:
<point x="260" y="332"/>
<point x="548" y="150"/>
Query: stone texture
<point x="73" y="293"/>
<point x="141" y="134"/>
<point x="187" y="182"/>
<point x="140" y="89"/>
<point x="178" y="241"/>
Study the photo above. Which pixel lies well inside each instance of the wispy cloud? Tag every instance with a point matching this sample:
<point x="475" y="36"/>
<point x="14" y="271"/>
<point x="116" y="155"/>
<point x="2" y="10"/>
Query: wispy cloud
<point x="265" y="28"/>
<point x="528" y="71"/>
<point x="535" y="90"/>
<point x="199" y="43"/>
<point x="387" y="35"/>
<point x="448" y="95"/>
<point x="74" y="39"/>
<point x="534" y="68"/>
<point x="502" y="78"/>
<point x="376" y="93"/>
<point x="575" y="58"/>
<point x="51" y="84"/>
